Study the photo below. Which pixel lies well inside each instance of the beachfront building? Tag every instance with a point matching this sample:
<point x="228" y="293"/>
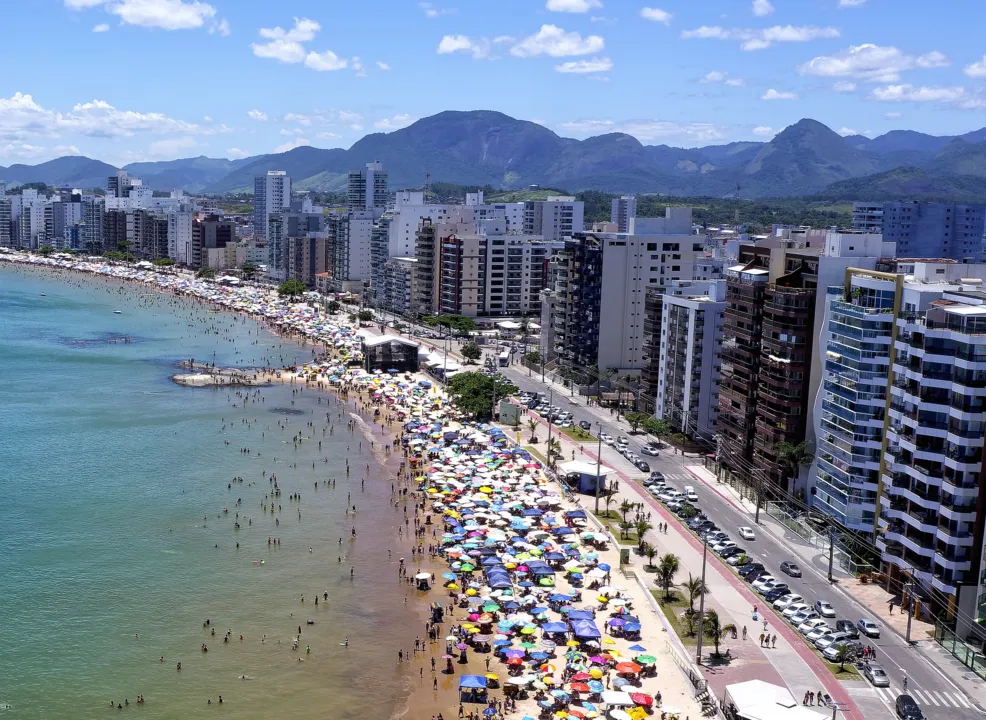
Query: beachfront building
<point x="211" y="233"/>
<point x="398" y="285"/>
<point x="367" y="189"/>
<point x="271" y="194"/>
<point x="690" y="348"/>
<point x="347" y="250"/>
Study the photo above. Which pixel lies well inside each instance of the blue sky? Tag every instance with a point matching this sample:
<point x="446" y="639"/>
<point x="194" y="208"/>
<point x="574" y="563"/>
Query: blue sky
<point x="127" y="80"/>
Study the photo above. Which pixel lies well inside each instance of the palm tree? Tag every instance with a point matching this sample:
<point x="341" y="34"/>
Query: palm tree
<point x="714" y="628"/>
<point x="843" y="652"/>
<point x="642" y="526"/>
<point x="554" y="448"/>
<point x="609" y="501"/>
<point x="650" y="551"/>
<point x="689" y="623"/>
<point x="625" y="507"/>
<point x="667" y="568"/>
<point x="532" y="425"/>
<point x="625" y="529"/>
<point x="792" y="457"/>
<point x="694" y="588"/>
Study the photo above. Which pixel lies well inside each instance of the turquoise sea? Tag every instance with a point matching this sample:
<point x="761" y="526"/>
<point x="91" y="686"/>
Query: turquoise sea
<point x="115" y="543"/>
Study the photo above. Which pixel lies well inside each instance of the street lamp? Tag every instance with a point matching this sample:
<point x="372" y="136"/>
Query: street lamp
<point x="701" y="601"/>
<point x="599" y="460"/>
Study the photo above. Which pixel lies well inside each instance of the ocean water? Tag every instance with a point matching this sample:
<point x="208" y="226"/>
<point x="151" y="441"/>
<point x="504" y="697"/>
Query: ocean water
<point x="114" y="543"/>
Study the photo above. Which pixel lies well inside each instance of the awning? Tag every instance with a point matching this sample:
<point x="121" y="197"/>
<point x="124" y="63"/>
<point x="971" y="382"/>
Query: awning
<point x="472" y="682"/>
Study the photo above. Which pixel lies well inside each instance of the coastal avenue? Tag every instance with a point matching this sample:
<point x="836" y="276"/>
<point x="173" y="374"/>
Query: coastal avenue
<point x="938" y="695"/>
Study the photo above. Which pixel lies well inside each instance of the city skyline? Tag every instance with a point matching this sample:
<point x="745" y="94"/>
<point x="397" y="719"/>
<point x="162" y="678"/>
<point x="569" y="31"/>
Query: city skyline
<point x="668" y="72"/>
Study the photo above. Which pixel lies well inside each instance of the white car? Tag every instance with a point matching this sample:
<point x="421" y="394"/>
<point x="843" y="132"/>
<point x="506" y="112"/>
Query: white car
<point x="786" y="601"/>
<point x="825" y="608"/>
<point x="768" y="586"/>
<point x="803" y="616"/>
<point x="830" y="640"/>
<point x="735" y="560"/>
<point x="808" y="625"/>
<point x="763" y="580"/>
<point x="794" y="608"/>
<point x="747" y="533"/>
<point x="820" y="631"/>
<point x="650" y="450"/>
<point x="723" y="546"/>
<point x="692" y="496"/>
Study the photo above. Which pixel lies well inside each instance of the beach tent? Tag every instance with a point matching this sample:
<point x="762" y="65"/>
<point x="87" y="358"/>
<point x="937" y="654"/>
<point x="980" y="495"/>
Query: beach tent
<point x="617" y="698"/>
<point x="759" y="700"/>
<point x="472" y="688"/>
<point x="585" y="630"/>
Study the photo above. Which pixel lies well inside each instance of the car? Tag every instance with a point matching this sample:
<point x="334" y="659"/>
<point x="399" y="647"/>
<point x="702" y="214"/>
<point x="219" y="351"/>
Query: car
<point x="739" y="560"/>
<point x="763" y="580"/>
<point x="608" y="439"/>
<point x="747" y="533"/>
<point x="623" y="440"/>
<point x="642" y="466"/>
<point x="810" y="624"/>
<point x="657" y="476"/>
<point x="830" y="639"/>
<point x="750" y="568"/>
<point x="907" y="709"/>
<point x="732" y="552"/>
<point x="819" y="631"/>
<point x="722" y="544"/>
<point x="715" y="535"/>
<point x="650" y="449"/>
<point x="767" y="586"/>
<point x="795" y="608"/>
<point x="825" y="608"/>
<point x="691" y="495"/>
<point x="790" y="568"/>
<point x="777" y="591"/>
<point x="786" y="601"/>
<point x="804" y="616"/>
<point x="876" y="675"/>
<point x="585" y="424"/>
<point x="848" y="628"/>
<point x="831" y="653"/>
<point x="868" y="628"/>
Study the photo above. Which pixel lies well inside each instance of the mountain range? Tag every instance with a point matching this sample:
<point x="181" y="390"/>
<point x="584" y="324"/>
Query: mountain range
<point x="484" y="147"/>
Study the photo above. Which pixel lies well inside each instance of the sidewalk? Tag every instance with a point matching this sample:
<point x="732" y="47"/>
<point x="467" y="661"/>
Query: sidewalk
<point x="791" y="663"/>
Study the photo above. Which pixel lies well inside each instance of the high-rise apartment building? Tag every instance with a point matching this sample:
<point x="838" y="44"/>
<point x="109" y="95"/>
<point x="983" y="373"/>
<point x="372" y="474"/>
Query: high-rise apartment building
<point x="926" y="229"/>
<point x="554" y="218"/>
<point x="119" y="185"/>
<point x="623" y="209"/>
<point x="271" y="194"/>
<point x="347" y="251"/>
<point x="368" y="189"/>
<point x="398" y="282"/>
<point x="92" y="224"/>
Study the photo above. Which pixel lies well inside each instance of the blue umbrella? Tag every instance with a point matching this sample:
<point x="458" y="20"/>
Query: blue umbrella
<point x="500" y="643"/>
<point x="449" y="576"/>
<point x="596" y="686"/>
<point x="539" y="655"/>
<point x="603" y="566"/>
<point x="489" y="712"/>
<point x="638" y="648"/>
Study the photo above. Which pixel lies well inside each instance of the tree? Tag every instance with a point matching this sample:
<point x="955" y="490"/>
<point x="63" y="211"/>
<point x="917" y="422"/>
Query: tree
<point x="352" y="317"/>
<point x="532" y="425"/>
<point x="45" y="250"/>
<point x="642" y="526"/>
<point x="291" y="289"/>
<point x="205" y="273"/>
<point x="471" y="351"/>
<point x="793" y="456"/>
<point x="625" y="507"/>
<point x="333" y="306"/>
<point x="474" y="393"/>
<point x="608" y="500"/>
<point x="460" y="324"/>
<point x="532" y="359"/>
<point x="694" y="588"/>
<point x="365" y="316"/>
<point x="636" y="419"/>
<point x="843" y="652"/>
<point x="658" y="427"/>
<point x="715" y="630"/>
<point x="667" y="568"/>
<point x="554" y="450"/>
<point x="163" y="262"/>
<point x="650" y="551"/>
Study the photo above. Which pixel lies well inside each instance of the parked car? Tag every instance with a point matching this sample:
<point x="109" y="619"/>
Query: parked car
<point x="876" y="675"/>
<point x="608" y="439"/>
<point x="767" y="586"/>
<point x="751" y="568"/>
<point x="732" y="552"/>
<point x="810" y="624"/>
<point x="830" y="639"/>
<point x="785" y="601"/>
<point x="657" y="475"/>
<point x="907" y="709"/>
<point x="848" y="628"/>
<point x="825" y="608"/>
<point x="642" y="466"/>
<point x="650" y="449"/>
<point x="831" y="653"/>
<point x="777" y="591"/>
<point x="623" y="440"/>
<point x="762" y="580"/>
<point x="739" y="560"/>
<point x="790" y="568"/>
<point x="795" y="608"/>
<point x="585" y="424"/>
<point x="819" y="632"/>
<point x="868" y="628"/>
<point x="747" y="533"/>
<point x="802" y="617"/>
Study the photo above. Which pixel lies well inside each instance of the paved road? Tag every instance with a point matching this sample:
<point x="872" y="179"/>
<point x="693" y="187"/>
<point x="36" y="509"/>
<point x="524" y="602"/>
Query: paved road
<point x="936" y="693"/>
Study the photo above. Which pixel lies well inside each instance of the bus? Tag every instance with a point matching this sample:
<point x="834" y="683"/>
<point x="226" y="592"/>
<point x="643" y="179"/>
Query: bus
<point x="504" y="357"/>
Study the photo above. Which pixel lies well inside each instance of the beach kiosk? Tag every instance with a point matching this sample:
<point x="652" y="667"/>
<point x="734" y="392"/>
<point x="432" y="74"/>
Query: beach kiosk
<point x="472" y="689"/>
<point x="583" y="476"/>
<point x="759" y="700"/>
<point x="387" y="353"/>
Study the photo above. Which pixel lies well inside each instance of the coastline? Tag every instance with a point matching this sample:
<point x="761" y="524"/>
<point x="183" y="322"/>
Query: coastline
<point x="364" y="396"/>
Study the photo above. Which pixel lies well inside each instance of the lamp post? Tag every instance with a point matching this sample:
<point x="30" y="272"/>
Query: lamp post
<point x="551" y="395"/>
<point x="599" y="460"/>
<point x="701" y="602"/>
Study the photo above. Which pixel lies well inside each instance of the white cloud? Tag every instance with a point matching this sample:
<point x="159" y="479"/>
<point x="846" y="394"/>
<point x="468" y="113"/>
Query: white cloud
<point x="764" y="131"/>
<point x="286" y="45"/>
<point x="762" y="7"/>
<point x="720" y="77"/>
<point x="871" y="63"/>
<point x="164" y="14"/>
<point x="761" y="38"/>
<point x="102" y="27"/>
<point x="394" y="123"/>
<point x="891" y="115"/>
<point x="598" y="64"/>
<point x="222" y="27"/>
<point x="82" y="4"/>
<point x="844" y="86"/>
<point x="851" y="3"/>
<point x="572" y="6"/>
<point x="37" y="153"/>
<point x="772" y="94"/>
<point x="933" y="93"/>
<point x="257" y="115"/>
<point x="326" y="61"/>
<point x="554" y="41"/>
<point x="656" y="15"/>
<point x="433" y="12"/>
<point x="383" y="65"/>
<point x="297" y="118"/>
<point x="328" y="136"/>
<point x="170" y="147"/>
<point x="479" y="48"/>
<point x="292" y="144"/>
<point x="976" y="69"/>
<point x="236" y="154"/>
<point x="846" y="132"/>
<point x="647" y="130"/>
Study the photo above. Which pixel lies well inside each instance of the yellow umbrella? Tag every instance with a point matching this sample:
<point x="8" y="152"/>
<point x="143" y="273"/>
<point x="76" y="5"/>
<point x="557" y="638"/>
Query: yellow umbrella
<point x="572" y="643"/>
<point x="492" y="676"/>
<point x="609" y="641"/>
<point x="433" y="490"/>
<point x="474" y="629"/>
<point x="453" y="586"/>
<point x="613" y="651"/>
<point x="637" y="713"/>
<point x="470" y="591"/>
<point x="596" y="673"/>
<point x="602" y="598"/>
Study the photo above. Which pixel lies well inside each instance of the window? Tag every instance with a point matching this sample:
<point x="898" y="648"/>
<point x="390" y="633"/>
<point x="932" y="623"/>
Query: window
<point x="651" y="247"/>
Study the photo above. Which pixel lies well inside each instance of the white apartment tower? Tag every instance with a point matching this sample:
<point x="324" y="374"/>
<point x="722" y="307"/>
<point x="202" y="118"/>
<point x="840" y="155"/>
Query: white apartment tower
<point x="622" y="209"/>
<point x="368" y="188"/>
<point x="271" y="194"/>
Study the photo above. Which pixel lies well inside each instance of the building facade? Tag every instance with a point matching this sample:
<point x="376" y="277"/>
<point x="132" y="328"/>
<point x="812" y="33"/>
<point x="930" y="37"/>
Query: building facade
<point x="367" y="188"/>
<point x="554" y="218"/>
<point x="926" y="229"/>
<point x="622" y="210"/>
<point x="271" y="194"/>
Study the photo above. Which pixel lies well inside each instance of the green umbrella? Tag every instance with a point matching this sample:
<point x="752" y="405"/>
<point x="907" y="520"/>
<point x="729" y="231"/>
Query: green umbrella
<point x="646" y="659"/>
<point x="542" y="581"/>
<point x="528" y="645"/>
<point x="467" y="568"/>
<point x="491" y="607"/>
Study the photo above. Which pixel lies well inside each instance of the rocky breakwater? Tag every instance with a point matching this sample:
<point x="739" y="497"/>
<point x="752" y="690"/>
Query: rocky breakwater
<point x="199" y="375"/>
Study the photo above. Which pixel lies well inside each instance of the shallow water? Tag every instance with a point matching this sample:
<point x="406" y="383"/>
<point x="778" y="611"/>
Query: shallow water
<point x="108" y="471"/>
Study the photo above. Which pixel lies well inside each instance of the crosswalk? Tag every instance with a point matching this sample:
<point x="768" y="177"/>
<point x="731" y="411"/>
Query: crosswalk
<point x="926" y="698"/>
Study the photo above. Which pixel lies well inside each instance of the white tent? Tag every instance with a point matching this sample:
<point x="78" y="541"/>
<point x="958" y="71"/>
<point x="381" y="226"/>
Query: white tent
<point x="759" y="700"/>
<point x="617" y="697"/>
<point x="581" y="467"/>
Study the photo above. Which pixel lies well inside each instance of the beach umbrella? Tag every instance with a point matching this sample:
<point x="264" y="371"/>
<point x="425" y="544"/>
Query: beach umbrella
<point x="596" y="673"/>
<point x="596" y="686"/>
<point x="638" y="648"/>
<point x="580" y="687"/>
<point x="646" y="659"/>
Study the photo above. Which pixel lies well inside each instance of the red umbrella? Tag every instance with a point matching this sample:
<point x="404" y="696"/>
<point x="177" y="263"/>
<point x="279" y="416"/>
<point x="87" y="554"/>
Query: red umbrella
<point x="580" y="687"/>
<point x="576" y="711"/>
<point x="515" y="661"/>
<point x="581" y="677"/>
<point x="628" y="668"/>
<point x="642" y="699"/>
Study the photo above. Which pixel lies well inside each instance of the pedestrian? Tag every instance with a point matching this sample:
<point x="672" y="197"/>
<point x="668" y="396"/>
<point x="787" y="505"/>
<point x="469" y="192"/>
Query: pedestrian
<point x="761" y="639"/>
<point x="803" y="702"/>
<point x="890" y="607"/>
<point x="905" y="683"/>
<point x="744" y="632"/>
<point x="773" y="641"/>
<point x="765" y="625"/>
<point x="811" y="697"/>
